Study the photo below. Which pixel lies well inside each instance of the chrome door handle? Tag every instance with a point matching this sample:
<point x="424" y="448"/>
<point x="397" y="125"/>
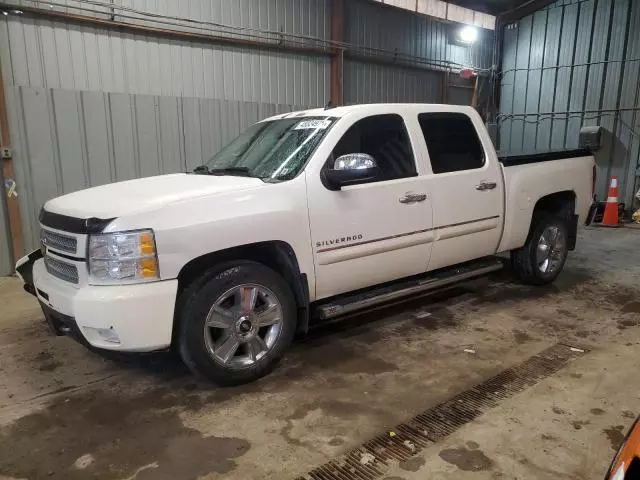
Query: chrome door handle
<point x="413" y="198"/>
<point x="419" y="197"/>
<point x="486" y="186"/>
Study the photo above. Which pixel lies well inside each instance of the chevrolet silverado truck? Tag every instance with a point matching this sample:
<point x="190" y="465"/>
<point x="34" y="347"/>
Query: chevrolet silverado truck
<point x="305" y="217"/>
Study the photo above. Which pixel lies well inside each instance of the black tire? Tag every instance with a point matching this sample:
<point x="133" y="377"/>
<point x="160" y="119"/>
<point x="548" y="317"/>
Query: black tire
<point x="196" y="302"/>
<point x="523" y="260"/>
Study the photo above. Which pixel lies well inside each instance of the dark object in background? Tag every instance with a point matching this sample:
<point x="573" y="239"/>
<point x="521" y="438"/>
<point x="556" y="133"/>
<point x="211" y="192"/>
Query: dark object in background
<point x="596" y="212"/>
<point x="590" y="138"/>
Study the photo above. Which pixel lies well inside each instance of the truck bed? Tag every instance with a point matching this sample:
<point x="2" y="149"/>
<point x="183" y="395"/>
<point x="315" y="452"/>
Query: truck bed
<point x="511" y="160"/>
<point x="537" y="175"/>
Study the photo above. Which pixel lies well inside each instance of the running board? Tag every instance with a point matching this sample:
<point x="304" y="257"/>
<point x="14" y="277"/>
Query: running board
<point x="378" y="295"/>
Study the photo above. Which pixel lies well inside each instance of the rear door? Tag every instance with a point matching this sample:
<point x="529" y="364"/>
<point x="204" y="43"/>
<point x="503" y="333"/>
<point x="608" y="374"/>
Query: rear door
<point x="467" y="188"/>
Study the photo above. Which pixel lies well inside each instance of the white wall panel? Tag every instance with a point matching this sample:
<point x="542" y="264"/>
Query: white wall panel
<point x="65" y="141"/>
<point x="368" y="83"/>
<point x="63" y="56"/>
<point x="304" y="17"/>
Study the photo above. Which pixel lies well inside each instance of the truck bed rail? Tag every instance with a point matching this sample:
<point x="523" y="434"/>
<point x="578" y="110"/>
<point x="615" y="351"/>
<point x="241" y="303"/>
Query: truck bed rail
<point x="536" y="157"/>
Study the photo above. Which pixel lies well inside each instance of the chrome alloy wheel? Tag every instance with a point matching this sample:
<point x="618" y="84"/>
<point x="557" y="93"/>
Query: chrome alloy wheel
<point x="243" y="325"/>
<point x="551" y="249"/>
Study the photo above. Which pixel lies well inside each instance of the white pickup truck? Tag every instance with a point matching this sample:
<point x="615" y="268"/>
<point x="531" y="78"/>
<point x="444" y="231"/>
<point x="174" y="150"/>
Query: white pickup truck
<point x="304" y="217"/>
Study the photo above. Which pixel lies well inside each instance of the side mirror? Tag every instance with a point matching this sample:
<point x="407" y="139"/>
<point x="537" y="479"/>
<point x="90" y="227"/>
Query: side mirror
<point x="350" y="169"/>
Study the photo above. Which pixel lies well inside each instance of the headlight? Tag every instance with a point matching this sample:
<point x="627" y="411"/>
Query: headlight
<point x="124" y="257"/>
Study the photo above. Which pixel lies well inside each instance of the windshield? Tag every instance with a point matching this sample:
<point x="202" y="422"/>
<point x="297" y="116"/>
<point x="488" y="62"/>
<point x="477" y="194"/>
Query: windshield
<point x="273" y="151"/>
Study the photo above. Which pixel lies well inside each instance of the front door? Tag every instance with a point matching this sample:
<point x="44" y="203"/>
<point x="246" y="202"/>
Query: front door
<point x="373" y="232"/>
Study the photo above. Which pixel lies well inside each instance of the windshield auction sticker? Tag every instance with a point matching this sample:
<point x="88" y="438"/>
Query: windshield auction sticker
<point x="313" y="125"/>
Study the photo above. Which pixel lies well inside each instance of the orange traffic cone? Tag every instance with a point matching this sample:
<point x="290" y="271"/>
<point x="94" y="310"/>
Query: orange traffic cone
<point x="610" y="218"/>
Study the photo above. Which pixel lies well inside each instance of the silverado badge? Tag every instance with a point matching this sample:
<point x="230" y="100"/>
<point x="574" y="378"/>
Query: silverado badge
<point x="337" y="241"/>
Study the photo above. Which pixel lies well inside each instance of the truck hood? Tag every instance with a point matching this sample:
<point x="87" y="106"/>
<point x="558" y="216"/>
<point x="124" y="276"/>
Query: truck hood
<point x="145" y="194"/>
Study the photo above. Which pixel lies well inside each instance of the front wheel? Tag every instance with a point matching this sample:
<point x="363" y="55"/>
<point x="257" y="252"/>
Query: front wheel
<point x="236" y="323"/>
<point x="542" y="258"/>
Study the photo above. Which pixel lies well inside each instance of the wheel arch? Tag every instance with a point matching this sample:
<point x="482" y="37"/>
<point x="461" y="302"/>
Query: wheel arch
<point x="277" y="255"/>
<point x="560" y="204"/>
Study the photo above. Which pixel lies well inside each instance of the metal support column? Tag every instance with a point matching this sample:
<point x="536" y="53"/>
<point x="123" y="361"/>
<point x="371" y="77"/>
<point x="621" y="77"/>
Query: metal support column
<point x="13" y="207"/>
<point x="337" y="56"/>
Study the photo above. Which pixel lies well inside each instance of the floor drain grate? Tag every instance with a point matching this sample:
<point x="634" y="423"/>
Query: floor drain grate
<point x="371" y="459"/>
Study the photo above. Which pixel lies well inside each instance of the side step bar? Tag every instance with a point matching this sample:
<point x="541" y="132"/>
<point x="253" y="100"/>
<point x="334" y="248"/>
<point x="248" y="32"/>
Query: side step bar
<point x="441" y="278"/>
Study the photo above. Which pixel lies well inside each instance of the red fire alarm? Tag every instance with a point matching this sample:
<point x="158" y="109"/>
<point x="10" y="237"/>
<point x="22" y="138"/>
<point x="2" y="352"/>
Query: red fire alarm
<point x="466" y="73"/>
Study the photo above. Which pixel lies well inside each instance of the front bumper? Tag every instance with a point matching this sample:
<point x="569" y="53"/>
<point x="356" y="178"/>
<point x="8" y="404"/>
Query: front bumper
<point x="127" y="318"/>
<point x="62" y="324"/>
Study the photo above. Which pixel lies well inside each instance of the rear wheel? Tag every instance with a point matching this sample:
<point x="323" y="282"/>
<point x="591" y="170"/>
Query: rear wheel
<point x="236" y="323"/>
<point x="542" y="258"/>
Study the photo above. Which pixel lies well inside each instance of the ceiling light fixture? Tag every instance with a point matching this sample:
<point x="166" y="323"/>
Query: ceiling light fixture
<point x="468" y="34"/>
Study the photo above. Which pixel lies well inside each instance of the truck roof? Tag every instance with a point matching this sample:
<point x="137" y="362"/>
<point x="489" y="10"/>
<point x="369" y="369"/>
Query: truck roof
<point x="375" y="108"/>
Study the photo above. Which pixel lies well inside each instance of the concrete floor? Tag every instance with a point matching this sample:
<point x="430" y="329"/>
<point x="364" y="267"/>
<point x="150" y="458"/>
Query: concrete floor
<point x="68" y="413"/>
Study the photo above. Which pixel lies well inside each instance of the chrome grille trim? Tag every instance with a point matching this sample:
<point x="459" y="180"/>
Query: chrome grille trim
<point x="58" y="241"/>
<point x="62" y="270"/>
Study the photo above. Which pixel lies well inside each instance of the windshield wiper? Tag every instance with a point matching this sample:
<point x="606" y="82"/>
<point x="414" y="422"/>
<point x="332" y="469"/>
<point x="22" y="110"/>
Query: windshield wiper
<point x="237" y="171"/>
<point x="202" y="170"/>
<point x="240" y="171"/>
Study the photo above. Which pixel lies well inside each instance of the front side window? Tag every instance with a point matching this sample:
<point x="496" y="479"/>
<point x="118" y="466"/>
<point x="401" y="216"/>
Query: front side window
<point x="452" y="142"/>
<point x="276" y="150"/>
<point x="385" y="138"/>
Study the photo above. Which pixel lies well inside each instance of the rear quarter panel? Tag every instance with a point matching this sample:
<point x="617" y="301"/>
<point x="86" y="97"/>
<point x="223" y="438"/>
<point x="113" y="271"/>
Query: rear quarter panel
<point x="526" y="184"/>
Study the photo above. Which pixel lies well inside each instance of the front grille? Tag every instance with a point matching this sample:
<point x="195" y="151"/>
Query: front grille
<point x="61" y="270"/>
<point x="58" y="241"/>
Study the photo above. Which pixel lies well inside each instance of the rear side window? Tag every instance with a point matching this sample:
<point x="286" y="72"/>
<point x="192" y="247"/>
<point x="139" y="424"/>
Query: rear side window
<point x="385" y="138"/>
<point x="452" y="142"/>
